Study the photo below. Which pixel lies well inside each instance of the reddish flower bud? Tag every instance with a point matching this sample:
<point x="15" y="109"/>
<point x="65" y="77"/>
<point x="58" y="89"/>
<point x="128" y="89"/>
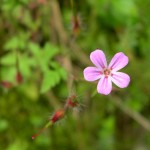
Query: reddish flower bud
<point x="6" y="84"/>
<point x="72" y="101"/>
<point x="59" y="114"/>
<point x="76" y="25"/>
<point x="19" y="77"/>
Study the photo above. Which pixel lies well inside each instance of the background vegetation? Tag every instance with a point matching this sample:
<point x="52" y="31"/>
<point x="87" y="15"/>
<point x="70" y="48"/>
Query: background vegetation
<point x="44" y="47"/>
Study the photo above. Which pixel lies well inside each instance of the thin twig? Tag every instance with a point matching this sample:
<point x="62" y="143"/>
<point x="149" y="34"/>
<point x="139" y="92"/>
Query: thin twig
<point x="63" y="39"/>
<point x="133" y="114"/>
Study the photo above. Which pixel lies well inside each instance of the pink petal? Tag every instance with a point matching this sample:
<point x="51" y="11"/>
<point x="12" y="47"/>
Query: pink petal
<point x="98" y="59"/>
<point x="120" y="79"/>
<point x="92" y="73"/>
<point x="119" y="61"/>
<point x="104" y="85"/>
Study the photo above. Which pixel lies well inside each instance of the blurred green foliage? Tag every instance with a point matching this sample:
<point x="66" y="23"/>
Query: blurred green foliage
<point x="39" y="38"/>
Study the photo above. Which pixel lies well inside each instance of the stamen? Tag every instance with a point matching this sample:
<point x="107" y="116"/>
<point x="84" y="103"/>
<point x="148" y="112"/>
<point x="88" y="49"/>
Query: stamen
<point x="107" y="72"/>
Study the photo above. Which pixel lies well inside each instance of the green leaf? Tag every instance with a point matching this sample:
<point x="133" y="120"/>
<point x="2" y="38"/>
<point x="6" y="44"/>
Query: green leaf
<point x="17" y="42"/>
<point x="9" y="59"/>
<point x="50" y="50"/>
<point x="50" y="79"/>
<point x="25" y="64"/>
<point x="43" y="55"/>
<point x="34" y="48"/>
<point x="8" y="73"/>
<point x="3" y="124"/>
<point x="18" y="144"/>
<point x="12" y="43"/>
<point x="62" y="73"/>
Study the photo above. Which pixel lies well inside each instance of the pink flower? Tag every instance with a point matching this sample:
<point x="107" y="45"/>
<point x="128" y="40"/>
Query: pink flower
<point x="107" y="73"/>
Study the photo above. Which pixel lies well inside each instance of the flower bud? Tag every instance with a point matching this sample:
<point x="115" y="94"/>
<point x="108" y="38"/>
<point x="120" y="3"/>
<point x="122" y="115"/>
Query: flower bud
<point x="59" y="114"/>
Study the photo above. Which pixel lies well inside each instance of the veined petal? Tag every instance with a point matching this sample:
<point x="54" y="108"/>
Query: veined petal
<point x="98" y="59"/>
<point x="104" y="85"/>
<point x="92" y="73"/>
<point x="121" y="79"/>
<point x="119" y="61"/>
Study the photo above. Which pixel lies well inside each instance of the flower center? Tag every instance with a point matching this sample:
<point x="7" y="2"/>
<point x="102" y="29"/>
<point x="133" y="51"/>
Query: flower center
<point x="107" y="72"/>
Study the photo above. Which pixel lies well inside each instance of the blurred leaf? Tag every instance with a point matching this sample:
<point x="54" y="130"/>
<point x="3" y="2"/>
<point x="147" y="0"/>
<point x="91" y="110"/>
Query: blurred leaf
<point x="107" y="133"/>
<point x="34" y="48"/>
<point x="25" y="64"/>
<point x="50" y="50"/>
<point x="8" y="74"/>
<point x="3" y="124"/>
<point x="8" y="5"/>
<point x="50" y="79"/>
<point x="18" y="144"/>
<point x="43" y="140"/>
<point x="9" y="59"/>
<point x="123" y="10"/>
<point x="31" y="90"/>
<point x="12" y="43"/>
<point x="108" y="126"/>
<point x="116" y="13"/>
<point x="17" y="42"/>
<point x="36" y="120"/>
<point x="62" y="72"/>
<point x="43" y="55"/>
<point x="28" y="21"/>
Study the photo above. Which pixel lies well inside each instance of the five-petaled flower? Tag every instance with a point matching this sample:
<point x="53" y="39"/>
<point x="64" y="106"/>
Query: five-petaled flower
<point x="107" y="73"/>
